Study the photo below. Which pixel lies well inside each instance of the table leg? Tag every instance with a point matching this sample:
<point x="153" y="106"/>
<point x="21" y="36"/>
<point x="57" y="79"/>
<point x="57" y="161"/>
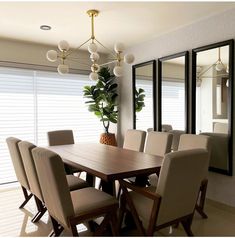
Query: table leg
<point x="108" y="187"/>
<point x="90" y="179"/>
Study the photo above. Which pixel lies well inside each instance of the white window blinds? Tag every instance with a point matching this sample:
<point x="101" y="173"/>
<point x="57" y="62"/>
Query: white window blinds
<point x="144" y="118"/>
<point x="33" y="103"/>
<point x="173" y="104"/>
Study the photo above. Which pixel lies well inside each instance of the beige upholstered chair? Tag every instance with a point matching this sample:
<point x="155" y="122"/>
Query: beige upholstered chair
<point x="12" y="144"/>
<point x="174" y="198"/>
<point x="219" y="150"/>
<point x="188" y="142"/>
<point x="176" y="138"/>
<point x="134" y="140"/>
<point x="67" y="209"/>
<point x="157" y="143"/>
<point x="62" y="137"/>
<point x="166" y="127"/>
<point x="220" y="128"/>
<point x="74" y="183"/>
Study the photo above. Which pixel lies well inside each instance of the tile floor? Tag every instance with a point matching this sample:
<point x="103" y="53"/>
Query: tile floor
<point x="16" y="222"/>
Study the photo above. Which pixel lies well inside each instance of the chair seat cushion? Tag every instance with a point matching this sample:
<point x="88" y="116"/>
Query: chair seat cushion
<point x="76" y="183"/>
<point x="86" y="200"/>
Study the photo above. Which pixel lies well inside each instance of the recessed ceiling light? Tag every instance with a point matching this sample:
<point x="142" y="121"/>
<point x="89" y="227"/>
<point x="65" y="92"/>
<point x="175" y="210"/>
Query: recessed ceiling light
<point x="45" y="27"/>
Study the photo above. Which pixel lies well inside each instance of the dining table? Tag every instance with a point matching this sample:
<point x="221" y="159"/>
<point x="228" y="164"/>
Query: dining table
<point x="109" y="163"/>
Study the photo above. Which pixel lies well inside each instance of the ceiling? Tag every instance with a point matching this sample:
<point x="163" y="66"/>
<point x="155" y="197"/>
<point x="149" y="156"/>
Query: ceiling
<point x="128" y="22"/>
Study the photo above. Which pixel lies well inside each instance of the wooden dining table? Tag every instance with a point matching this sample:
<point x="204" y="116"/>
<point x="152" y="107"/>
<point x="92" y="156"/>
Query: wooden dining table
<point x="109" y="163"/>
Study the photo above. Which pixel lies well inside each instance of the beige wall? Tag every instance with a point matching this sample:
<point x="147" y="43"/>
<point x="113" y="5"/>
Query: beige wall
<point x="211" y="30"/>
<point x="31" y="53"/>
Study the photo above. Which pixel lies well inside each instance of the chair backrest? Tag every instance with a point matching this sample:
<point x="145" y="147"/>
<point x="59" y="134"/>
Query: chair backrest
<point x="52" y="179"/>
<point x="61" y="137"/>
<point x="192" y="141"/>
<point x="158" y="143"/>
<point x="30" y="169"/>
<point x="220" y="127"/>
<point x="176" y="138"/>
<point x="16" y="158"/>
<point x="166" y="127"/>
<point x="179" y="183"/>
<point x="134" y="140"/>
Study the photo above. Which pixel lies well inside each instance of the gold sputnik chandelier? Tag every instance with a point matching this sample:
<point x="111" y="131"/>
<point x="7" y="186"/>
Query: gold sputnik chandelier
<point x="63" y="54"/>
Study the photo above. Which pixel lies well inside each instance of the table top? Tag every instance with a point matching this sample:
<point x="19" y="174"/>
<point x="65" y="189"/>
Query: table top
<point x="108" y="162"/>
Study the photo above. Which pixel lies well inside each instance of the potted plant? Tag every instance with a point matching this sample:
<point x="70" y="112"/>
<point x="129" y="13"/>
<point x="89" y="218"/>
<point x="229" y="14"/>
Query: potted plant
<point x="139" y="99"/>
<point x="102" y="101"/>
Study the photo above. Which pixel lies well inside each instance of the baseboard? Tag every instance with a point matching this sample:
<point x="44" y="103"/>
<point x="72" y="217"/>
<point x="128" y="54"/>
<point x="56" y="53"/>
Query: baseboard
<point x="220" y="205"/>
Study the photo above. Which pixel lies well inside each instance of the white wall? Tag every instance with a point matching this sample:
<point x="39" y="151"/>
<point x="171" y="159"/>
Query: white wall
<point x="214" y="29"/>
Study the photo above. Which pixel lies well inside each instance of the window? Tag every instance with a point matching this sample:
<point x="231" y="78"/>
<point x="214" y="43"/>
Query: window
<point x="35" y="102"/>
<point x="144" y="119"/>
<point x="173" y="97"/>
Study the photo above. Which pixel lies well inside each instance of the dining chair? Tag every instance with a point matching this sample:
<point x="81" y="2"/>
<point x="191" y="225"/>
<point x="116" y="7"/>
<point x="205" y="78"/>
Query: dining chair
<point x="62" y="137"/>
<point x="166" y="127"/>
<point x="157" y="143"/>
<point x="174" y="198"/>
<point x="176" y="138"/>
<point x="16" y="158"/>
<point x="134" y="140"/>
<point x="191" y="141"/>
<point x="74" y="183"/>
<point x="67" y="209"/>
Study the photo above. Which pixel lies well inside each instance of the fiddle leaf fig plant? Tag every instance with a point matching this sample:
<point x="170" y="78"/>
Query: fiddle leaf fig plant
<point x="102" y="98"/>
<point x="139" y="99"/>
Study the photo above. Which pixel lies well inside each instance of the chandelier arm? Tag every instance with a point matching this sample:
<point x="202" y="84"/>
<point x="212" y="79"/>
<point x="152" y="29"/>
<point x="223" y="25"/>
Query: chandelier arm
<point x="78" y="47"/>
<point x="106" y="48"/>
<point x="111" y="62"/>
<point x="207" y="69"/>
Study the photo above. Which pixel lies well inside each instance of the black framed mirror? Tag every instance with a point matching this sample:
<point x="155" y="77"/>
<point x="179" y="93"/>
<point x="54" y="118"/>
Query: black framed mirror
<point x="143" y="95"/>
<point x="173" y="72"/>
<point x="212" y="101"/>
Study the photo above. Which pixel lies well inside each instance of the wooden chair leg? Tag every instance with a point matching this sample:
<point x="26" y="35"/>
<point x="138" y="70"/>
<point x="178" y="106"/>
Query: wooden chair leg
<point x="121" y="212"/>
<point x="134" y="212"/>
<point x="100" y="230"/>
<point x="26" y="196"/>
<point x="114" y="224"/>
<point x="57" y="228"/>
<point x="41" y="210"/>
<point x="74" y="230"/>
<point x="202" y="199"/>
<point x="187" y="226"/>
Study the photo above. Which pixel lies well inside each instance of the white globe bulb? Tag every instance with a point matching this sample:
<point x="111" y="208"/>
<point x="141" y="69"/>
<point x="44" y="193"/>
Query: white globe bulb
<point x="93" y="76"/>
<point x="117" y="71"/>
<point x="95" y="68"/>
<point x="52" y="55"/>
<point x="92" y="47"/>
<point x="219" y="66"/>
<point x="119" y="47"/>
<point x="63" y="45"/>
<point x="63" y="69"/>
<point x="227" y="83"/>
<point x="129" y="58"/>
<point x="94" y="56"/>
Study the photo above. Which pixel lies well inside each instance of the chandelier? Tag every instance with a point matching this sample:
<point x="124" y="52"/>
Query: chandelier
<point x="219" y="66"/>
<point x="63" y="54"/>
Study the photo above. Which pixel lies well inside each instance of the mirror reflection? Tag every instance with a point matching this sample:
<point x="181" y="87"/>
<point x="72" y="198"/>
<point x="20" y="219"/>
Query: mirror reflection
<point x="143" y="96"/>
<point x="212" y="90"/>
<point x="173" y="94"/>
